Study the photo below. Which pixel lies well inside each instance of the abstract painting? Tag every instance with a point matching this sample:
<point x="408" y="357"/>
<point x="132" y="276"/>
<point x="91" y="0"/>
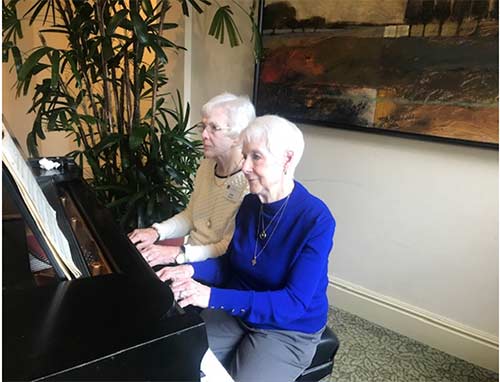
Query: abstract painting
<point x="422" y="68"/>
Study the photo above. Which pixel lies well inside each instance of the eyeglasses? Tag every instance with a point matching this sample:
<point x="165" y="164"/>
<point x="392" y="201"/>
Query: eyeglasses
<point x="212" y="128"/>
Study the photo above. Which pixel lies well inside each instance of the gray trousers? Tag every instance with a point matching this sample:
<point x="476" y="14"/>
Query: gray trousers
<point x="258" y="355"/>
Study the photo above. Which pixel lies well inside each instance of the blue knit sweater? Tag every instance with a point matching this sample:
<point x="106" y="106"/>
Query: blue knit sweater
<point x="286" y="289"/>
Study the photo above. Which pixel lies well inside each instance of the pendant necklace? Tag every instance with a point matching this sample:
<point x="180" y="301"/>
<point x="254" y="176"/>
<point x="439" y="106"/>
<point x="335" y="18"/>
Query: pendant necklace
<point x="262" y="235"/>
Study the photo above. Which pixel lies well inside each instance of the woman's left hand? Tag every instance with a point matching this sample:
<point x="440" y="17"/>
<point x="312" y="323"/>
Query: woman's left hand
<point x="191" y="292"/>
<point x="177" y="273"/>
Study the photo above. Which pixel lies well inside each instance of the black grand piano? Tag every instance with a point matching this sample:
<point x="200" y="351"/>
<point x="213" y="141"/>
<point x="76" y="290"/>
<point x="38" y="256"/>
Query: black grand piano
<point x="117" y="321"/>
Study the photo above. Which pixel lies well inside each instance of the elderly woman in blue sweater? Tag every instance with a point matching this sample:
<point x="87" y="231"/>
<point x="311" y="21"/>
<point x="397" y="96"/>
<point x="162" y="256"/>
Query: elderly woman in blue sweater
<point x="265" y="298"/>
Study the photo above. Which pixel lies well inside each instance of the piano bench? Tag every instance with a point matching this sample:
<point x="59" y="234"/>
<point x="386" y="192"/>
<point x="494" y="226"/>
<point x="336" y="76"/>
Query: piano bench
<point x="322" y="363"/>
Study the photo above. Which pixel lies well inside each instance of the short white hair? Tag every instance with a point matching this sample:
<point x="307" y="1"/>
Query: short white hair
<point x="238" y="109"/>
<point x="278" y="134"/>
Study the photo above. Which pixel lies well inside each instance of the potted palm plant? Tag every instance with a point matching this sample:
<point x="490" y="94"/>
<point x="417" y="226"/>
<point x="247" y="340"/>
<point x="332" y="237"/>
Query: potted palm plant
<point x="105" y="89"/>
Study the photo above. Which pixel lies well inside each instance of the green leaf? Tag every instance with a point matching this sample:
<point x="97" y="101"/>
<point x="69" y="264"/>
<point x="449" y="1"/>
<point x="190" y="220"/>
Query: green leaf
<point x="195" y="5"/>
<point x="31" y="62"/>
<point x="167" y="43"/>
<point x="216" y="20"/>
<point x="137" y="137"/>
<point x="55" y="30"/>
<point x="155" y="146"/>
<point x="126" y="199"/>
<point x="37" y="126"/>
<point x="160" y="53"/>
<point x="115" y="21"/>
<point x="16" y="54"/>
<point x="91" y="120"/>
<point x="108" y="141"/>
<point x="222" y="21"/>
<point x="32" y="145"/>
<point x="54" y="59"/>
<point x="36" y="9"/>
<point x="232" y="30"/>
<point x="79" y="98"/>
<point x="257" y="39"/>
<point x="74" y="69"/>
<point x="140" y="27"/>
<point x="51" y="125"/>
<point x="185" y="9"/>
<point x="11" y="25"/>
<point x="107" y="49"/>
<point x="94" y="164"/>
<point x="147" y="7"/>
<point x="167" y="26"/>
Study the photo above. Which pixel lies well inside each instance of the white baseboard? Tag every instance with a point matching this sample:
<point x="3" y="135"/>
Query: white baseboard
<point x="451" y="337"/>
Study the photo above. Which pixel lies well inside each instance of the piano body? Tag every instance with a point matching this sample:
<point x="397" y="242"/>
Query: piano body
<point x="116" y="322"/>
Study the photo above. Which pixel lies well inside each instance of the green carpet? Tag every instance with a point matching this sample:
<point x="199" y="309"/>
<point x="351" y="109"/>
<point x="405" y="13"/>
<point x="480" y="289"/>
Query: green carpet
<point x="371" y="353"/>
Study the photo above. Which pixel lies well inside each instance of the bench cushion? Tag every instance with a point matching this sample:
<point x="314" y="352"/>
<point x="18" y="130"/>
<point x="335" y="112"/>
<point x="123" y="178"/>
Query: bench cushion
<point x="322" y="363"/>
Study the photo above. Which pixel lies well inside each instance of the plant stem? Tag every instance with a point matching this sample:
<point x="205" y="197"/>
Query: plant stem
<point x="128" y="92"/>
<point x="164" y="7"/>
<point x="66" y="13"/>
<point x="118" y="104"/>
<point x="104" y="67"/>
<point x="137" y="90"/>
<point x="80" y="60"/>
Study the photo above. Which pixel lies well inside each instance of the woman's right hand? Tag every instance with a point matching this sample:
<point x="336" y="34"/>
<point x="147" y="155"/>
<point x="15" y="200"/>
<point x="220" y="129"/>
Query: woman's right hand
<point x="160" y="254"/>
<point x="143" y="237"/>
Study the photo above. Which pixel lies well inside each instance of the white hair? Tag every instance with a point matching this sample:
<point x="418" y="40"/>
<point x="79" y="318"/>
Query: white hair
<point x="238" y="109"/>
<point x="278" y="134"/>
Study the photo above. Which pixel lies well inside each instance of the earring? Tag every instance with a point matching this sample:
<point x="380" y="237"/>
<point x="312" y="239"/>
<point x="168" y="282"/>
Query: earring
<point x="285" y="170"/>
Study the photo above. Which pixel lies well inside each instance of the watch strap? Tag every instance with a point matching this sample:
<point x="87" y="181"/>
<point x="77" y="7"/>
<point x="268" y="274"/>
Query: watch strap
<point x="181" y="257"/>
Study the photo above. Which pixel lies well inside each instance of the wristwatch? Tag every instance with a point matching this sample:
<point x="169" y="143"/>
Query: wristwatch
<point x="181" y="257"/>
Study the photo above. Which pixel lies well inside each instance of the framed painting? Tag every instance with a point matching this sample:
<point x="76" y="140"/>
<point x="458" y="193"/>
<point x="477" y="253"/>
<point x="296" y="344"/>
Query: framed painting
<point x="420" y="68"/>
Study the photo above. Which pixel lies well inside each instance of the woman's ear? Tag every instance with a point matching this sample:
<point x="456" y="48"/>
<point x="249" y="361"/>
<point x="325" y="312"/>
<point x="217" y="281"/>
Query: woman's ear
<point x="237" y="142"/>
<point x="288" y="160"/>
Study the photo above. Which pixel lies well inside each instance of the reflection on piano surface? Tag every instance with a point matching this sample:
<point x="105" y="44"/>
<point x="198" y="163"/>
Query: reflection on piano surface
<point x="118" y="321"/>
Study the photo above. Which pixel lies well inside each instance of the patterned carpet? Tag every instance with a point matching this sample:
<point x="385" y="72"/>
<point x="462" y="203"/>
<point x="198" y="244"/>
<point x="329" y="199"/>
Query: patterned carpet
<point x="371" y="353"/>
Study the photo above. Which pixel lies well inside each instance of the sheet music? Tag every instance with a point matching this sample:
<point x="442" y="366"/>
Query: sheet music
<point x="36" y="202"/>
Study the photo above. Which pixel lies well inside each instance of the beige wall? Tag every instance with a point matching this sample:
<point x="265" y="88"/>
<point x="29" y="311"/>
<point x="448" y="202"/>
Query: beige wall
<point x="417" y="221"/>
<point x="218" y="68"/>
<point x="15" y="110"/>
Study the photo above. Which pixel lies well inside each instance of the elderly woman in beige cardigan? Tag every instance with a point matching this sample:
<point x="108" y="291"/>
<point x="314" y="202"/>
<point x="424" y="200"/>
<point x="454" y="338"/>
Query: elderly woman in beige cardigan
<point x="219" y="188"/>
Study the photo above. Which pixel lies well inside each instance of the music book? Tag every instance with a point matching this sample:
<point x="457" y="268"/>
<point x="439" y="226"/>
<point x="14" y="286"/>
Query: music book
<point x="38" y="205"/>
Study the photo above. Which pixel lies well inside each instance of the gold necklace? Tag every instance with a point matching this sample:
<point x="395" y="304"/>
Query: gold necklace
<point x="223" y="180"/>
<point x="263" y="233"/>
<point x="280" y="212"/>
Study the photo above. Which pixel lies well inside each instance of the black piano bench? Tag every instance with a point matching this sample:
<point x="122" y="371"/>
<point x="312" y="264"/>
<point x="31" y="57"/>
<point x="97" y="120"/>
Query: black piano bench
<point x="322" y="363"/>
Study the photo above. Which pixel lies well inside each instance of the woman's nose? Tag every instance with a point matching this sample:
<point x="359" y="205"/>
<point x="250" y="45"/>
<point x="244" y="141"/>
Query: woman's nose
<point x="204" y="134"/>
<point x="247" y="166"/>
